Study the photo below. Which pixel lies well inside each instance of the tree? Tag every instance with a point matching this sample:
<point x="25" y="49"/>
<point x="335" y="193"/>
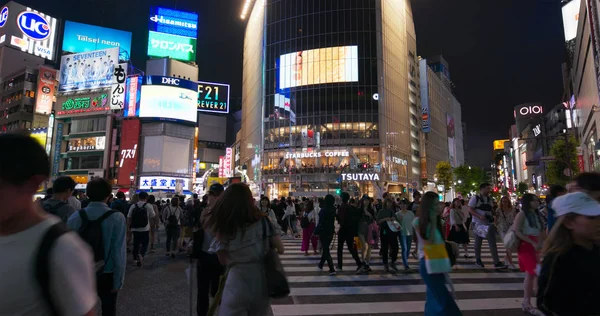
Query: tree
<point x="522" y="188"/>
<point x="565" y="157"/>
<point x="445" y="177"/>
<point x="468" y="179"/>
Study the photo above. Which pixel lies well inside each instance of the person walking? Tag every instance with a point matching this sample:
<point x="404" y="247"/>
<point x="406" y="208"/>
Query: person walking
<point x="405" y="218"/>
<point x="243" y="234"/>
<point x="458" y="229"/>
<point x="153" y="221"/>
<point x="569" y="281"/>
<point x="389" y="236"/>
<point x="138" y="219"/>
<point x="209" y="269"/>
<point x="555" y="191"/>
<point x="428" y="229"/>
<point x="481" y="208"/>
<point x="120" y="204"/>
<point x="325" y="230"/>
<point x="348" y="217"/>
<point x="290" y="218"/>
<point x="107" y="242"/>
<point x="172" y="217"/>
<point x="414" y="207"/>
<point x="58" y="205"/>
<point x="46" y="269"/>
<point x="505" y="218"/>
<point x="529" y="229"/>
<point x="265" y="207"/>
<point x="309" y="221"/>
<point x="366" y="210"/>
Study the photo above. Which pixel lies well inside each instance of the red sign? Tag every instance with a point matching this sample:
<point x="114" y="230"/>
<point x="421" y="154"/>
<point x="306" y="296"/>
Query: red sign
<point x="581" y="163"/>
<point x="45" y="90"/>
<point x="128" y="151"/>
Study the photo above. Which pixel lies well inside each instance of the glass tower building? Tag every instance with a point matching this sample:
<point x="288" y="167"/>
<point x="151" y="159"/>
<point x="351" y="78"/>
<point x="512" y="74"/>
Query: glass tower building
<point x="330" y="97"/>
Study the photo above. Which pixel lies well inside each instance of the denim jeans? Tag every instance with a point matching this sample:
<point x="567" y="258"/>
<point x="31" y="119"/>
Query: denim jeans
<point x="405" y="243"/>
<point x="438" y="302"/>
<point x="140" y="243"/>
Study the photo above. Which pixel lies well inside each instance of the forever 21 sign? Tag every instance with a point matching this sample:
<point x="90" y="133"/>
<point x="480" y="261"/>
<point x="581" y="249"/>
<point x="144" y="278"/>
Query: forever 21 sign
<point x="213" y="97"/>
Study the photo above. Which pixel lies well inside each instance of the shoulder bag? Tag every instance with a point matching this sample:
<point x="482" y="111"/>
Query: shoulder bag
<point x="277" y="283"/>
<point x="437" y="259"/>
<point x="511" y="241"/>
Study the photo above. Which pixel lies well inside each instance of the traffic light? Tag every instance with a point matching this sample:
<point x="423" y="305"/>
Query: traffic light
<point x="496" y="189"/>
<point x="338" y="191"/>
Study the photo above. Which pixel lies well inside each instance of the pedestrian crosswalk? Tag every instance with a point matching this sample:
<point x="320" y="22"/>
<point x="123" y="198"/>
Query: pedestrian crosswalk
<point x="479" y="291"/>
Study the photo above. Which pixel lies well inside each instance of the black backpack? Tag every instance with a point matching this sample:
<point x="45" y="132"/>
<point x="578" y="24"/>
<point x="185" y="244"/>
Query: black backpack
<point x="42" y="264"/>
<point x="139" y="216"/>
<point x="172" y="220"/>
<point x="52" y="209"/>
<point x="91" y="233"/>
<point x="304" y="222"/>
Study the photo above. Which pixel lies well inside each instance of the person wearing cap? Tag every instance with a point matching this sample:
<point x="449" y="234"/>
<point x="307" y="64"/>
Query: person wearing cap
<point x="569" y="280"/>
<point x="209" y="270"/>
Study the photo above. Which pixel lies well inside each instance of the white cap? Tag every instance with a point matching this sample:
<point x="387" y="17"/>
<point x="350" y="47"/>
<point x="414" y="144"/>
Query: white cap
<point x="578" y="203"/>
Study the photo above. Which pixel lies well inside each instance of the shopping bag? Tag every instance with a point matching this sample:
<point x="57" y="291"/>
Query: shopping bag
<point x="436" y="258"/>
<point x="277" y="283"/>
<point x="511" y="241"/>
<point x="357" y="243"/>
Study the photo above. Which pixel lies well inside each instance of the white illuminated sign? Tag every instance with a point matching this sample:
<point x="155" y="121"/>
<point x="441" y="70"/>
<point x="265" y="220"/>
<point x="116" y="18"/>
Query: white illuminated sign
<point x="227" y="161"/>
<point x="89" y="143"/>
<point x="317" y="154"/>
<point x="128" y="154"/>
<point x="537" y="130"/>
<point x="158" y="182"/>
<point x="532" y="109"/>
<point x="360" y="177"/>
<point x="399" y="161"/>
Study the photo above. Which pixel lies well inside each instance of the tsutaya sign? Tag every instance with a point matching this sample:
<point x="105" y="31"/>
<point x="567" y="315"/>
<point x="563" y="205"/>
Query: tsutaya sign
<point x="317" y="154"/>
<point x="360" y="177"/>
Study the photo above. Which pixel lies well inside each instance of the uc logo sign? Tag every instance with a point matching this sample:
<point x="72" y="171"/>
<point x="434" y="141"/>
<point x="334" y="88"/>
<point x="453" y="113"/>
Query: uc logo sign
<point x="33" y="25"/>
<point x="3" y="16"/>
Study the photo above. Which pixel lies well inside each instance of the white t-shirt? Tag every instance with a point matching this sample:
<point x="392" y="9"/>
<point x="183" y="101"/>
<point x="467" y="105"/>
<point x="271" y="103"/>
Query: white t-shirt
<point x="72" y="278"/>
<point x="474" y="203"/>
<point x="168" y="210"/>
<point x="151" y="214"/>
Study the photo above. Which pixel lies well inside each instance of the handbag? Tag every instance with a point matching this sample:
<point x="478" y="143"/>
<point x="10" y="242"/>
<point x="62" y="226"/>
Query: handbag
<point x="511" y="241"/>
<point x="394" y="226"/>
<point x="481" y="230"/>
<point x="277" y="283"/>
<point x="357" y="243"/>
<point x="436" y="258"/>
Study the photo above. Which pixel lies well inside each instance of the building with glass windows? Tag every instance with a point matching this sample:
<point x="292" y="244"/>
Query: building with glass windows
<point x="330" y="97"/>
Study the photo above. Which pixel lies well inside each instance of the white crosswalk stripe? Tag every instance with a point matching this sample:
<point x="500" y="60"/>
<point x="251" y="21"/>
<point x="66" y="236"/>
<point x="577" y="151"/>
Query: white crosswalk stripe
<point x="479" y="291"/>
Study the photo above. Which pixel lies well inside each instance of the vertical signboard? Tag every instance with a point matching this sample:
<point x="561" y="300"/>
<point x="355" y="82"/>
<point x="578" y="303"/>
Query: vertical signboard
<point x="45" y="90"/>
<point x="425" y="120"/>
<point x="227" y="162"/>
<point x="451" y="140"/>
<point x="133" y="94"/>
<point x="117" y="99"/>
<point x="194" y="170"/>
<point x="130" y="135"/>
<point x="221" y="167"/>
<point x="57" y="148"/>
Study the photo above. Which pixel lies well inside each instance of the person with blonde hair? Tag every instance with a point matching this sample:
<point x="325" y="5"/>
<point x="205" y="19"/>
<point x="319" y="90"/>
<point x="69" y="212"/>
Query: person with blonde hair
<point x="569" y="281"/>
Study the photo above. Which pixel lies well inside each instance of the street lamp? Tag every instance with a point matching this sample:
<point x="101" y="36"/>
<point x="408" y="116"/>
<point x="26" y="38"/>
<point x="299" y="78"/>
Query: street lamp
<point x="459" y="181"/>
<point x="131" y="178"/>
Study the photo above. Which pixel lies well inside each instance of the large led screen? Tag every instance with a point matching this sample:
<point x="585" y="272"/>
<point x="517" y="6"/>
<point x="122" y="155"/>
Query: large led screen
<point x="570" y="12"/>
<point x="318" y="66"/>
<point x="166" y="154"/>
<point x="168" y="103"/>
<point x="173" y="46"/>
<point x="79" y="38"/>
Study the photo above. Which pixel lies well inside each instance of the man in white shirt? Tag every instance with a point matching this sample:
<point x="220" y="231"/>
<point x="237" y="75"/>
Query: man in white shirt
<point x="138" y="219"/>
<point x="45" y="269"/>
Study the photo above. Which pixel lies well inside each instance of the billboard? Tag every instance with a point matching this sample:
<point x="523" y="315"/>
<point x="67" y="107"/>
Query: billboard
<point x="74" y="105"/>
<point x="570" y="13"/>
<point x="90" y="70"/>
<point x="80" y="38"/>
<point x="162" y="183"/>
<point x="166" y="154"/>
<point x="318" y="66"/>
<point x="425" y="119"/>
<point x="130" y="135"/>
<point x="499" y="144"/>
<point x="451" y="140"/>
<point x="30" y="31"/>
<point x="117" y="91"/>
<point x="46" y="86"/>
<point x="87" y="143"/>
<point x="213" y="97"/>
<point x="175" y="22"/>
<point x="173" y="46"/>
<point x="133" y="87"/>
<point x="40" y="135"/>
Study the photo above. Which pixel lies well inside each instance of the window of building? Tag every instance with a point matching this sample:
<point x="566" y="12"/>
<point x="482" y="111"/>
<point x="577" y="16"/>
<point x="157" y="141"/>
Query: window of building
<point x="88" y="125"/>
<point x="83" y="163"/>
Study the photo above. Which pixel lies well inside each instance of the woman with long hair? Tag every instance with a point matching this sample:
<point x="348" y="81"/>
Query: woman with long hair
<point x="458" y="229"/>
<point x="265" y="207"/>
<point x="428" y="228"/>
<point x="569" y="281"/>
<point x="366" y="211"/>
<point x="241" y="239"/>
<point x="307" y="232"/>
<point x="529" y="229"/>
<point x="504" y="220"/>
<point x="325" y="231"/>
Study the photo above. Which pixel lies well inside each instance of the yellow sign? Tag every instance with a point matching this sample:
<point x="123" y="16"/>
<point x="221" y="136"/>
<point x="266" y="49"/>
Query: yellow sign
<point x="212" y="180"/>
<point x="40" y="138"/>
<point x="499" y="144"/>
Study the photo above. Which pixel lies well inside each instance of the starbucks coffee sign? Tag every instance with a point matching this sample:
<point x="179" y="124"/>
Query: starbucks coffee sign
<point x="360" y="177"/>
<point x="317" y="154"/>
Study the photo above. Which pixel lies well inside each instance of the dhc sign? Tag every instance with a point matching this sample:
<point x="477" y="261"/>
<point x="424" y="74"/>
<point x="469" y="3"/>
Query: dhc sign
<point x="360" y="177"/>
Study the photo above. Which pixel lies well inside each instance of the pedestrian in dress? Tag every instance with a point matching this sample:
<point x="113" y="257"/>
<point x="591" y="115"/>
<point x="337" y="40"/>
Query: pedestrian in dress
<point x="311" y="218"/>
<point x="458" y="229"/>
<point x="529" y="229"/>
<point x="505" y="218"/>
<point x="569" y="281"/>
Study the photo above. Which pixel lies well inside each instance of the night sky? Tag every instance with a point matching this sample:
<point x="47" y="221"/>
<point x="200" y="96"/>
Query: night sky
<point x="501" y="52"/>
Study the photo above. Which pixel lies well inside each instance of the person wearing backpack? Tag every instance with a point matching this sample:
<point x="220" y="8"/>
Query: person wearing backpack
<point x="308" y="222"/>
<point x="58" y="205"/>
<point x="171" y="217"/>
<point x="45" y="268"/>
<point x="138" y="219"/>
<point x="103" y="229"/>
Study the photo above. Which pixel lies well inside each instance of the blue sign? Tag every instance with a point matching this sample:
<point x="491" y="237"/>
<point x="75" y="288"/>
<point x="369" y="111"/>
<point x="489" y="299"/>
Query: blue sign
<point x="80" y="38"/>
<point x="173" y="22"/>
<point x="170" y="81"/>
<point x="3" y="16"/>
<point x="33" y="25"/>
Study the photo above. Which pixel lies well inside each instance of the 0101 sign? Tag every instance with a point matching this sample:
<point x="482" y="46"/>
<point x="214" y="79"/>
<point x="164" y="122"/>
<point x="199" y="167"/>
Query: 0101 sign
<point x="213" y="97"/>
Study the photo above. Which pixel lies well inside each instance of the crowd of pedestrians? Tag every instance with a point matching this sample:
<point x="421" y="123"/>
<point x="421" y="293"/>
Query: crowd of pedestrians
<point x="68" y="253"/>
